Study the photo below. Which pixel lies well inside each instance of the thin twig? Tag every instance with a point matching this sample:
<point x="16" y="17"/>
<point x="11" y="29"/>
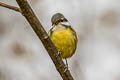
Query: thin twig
<point x="10" y="7"/>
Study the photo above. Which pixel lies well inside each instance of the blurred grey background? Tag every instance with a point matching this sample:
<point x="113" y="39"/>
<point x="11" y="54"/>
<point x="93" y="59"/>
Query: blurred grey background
<point x="97" y="23"/>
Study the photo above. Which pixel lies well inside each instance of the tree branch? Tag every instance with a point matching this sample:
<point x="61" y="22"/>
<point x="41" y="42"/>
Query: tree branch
<point x="28" y="13"/>
<point x="10" y="7"/>
<point x="43" y="36"/>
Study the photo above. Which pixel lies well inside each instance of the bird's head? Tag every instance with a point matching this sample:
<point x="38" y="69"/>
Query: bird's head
<point x="58" y="18"/>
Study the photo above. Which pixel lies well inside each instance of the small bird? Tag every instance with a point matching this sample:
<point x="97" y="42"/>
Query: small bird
<point x="63" y="36"/>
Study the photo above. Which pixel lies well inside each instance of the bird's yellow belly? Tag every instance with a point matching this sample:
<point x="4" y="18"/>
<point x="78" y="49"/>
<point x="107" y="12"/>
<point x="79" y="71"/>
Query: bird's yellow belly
<point x="64" y="41"/>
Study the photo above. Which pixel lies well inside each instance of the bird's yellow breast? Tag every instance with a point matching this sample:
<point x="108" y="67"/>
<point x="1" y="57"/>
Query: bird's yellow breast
<point x="65" y="41"/>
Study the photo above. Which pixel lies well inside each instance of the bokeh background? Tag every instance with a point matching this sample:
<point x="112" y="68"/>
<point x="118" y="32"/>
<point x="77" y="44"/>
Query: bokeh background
<point x="97" y="23"/>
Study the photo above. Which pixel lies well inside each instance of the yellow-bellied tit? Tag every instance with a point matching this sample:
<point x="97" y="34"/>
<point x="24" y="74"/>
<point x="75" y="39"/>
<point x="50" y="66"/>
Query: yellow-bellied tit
<point x="63" y="36"/>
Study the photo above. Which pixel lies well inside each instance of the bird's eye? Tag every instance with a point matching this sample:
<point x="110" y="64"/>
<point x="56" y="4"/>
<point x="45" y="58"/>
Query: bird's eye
<point x="62" y="20"/>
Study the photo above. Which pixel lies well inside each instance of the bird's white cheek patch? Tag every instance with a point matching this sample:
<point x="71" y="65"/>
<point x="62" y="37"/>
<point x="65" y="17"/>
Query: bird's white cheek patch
<point x="65" y="23"/>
